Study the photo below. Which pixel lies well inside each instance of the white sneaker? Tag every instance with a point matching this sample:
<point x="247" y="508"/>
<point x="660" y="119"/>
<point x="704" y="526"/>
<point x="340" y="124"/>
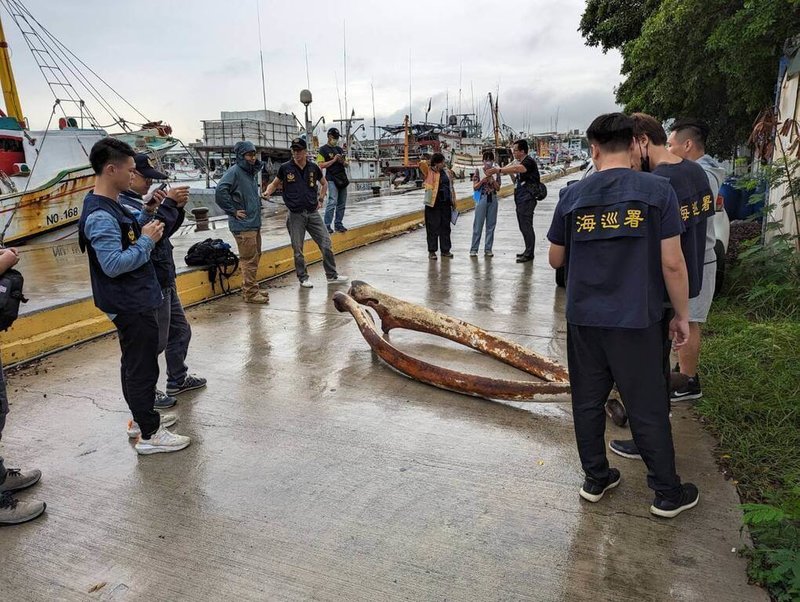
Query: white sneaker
<point x="473" y="253"/>
<point x="134" y="430"/>
<point x="306" y="284"/>
<point x="338" y="279"/>
<point x="161" y="441"/>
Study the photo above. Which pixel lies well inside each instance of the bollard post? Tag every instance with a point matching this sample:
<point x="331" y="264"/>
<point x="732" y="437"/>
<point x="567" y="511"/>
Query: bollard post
<point x="200" y="219"/>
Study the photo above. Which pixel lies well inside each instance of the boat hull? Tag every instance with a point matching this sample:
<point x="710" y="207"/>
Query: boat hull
<point x="49" y="207"/>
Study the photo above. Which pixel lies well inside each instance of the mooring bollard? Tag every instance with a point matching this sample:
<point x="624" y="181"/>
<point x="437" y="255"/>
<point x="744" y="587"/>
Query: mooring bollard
<point x="418" y="183"/>
<point x="200" y="219"/>
<point x="376" y="191"/>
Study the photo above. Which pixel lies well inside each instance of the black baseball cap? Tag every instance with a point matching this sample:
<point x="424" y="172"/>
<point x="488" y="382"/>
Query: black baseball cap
<point x="334" y="132"/>
<point x="298" y="143"/>
<point x="146" y="167"/>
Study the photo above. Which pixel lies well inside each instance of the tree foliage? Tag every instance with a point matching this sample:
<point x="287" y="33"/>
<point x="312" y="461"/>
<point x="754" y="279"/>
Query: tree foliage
<point x="713" y="59"/>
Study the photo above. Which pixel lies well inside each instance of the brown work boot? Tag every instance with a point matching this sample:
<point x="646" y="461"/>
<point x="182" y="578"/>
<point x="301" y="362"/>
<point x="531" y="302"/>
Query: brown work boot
<point x="14" y="511"/>
<point x="260" y="297"/>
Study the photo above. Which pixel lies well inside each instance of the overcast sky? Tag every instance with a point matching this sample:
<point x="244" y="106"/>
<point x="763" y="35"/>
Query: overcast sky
<point x="186" y="60"/>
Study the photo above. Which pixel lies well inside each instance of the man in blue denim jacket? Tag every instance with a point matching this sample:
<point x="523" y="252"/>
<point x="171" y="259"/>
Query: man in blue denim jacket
<point x="125" y="287"/>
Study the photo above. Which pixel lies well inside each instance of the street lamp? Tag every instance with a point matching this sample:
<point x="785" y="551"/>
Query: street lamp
<point x="305" y="98"/>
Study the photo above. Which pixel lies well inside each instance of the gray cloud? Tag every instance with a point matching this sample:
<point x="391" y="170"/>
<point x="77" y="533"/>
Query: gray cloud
<point x="202" y="57"/>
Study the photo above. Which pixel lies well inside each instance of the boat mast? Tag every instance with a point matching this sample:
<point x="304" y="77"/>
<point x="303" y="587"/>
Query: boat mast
<point x="10" y="94"/>
<point x="407" y="125"/>
<point x="495" y="121"/>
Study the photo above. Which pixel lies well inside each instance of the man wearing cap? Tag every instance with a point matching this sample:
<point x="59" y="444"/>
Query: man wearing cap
<point x="174" y="332"/>
<point x="304" y="189"/>
<point x="238" y="195"/>
<point x="331" y="158"/>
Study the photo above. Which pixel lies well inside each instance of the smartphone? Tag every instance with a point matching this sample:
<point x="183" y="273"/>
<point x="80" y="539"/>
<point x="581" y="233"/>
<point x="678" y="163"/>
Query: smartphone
<point x="162" y="187"/>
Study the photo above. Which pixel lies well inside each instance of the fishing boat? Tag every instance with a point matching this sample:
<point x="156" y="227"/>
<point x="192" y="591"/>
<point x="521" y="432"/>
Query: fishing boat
<point x="44" y="175"/>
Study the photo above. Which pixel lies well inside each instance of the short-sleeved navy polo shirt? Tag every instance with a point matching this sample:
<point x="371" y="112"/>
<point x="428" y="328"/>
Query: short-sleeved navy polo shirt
<point x="328" y="152"/>
<point x="612" y="225"/>
<point x="300" y="185"/>
<point x="696" y="205"/>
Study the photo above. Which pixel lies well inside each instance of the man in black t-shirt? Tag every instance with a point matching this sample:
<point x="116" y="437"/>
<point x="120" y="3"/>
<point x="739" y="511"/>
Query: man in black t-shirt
<point x="527" y="173"/>
<point x="331" y="158"/>
<point x="303" y="191"/>
<point x="695" y="206"/>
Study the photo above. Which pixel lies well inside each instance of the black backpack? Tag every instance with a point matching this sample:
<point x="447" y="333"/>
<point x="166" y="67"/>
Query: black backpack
<point x="217" y="255"/>
<point x="10" y="297"/>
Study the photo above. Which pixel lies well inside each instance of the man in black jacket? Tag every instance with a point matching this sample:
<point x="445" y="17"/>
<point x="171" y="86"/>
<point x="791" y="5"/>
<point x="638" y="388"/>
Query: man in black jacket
<point x="174" y="331"/>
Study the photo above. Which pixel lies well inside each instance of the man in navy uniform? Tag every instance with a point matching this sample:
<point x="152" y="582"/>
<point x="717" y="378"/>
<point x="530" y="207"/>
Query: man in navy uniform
<point x="332" y="159"/>
<point x="125" y="287"/>
<point x="618" y="235"/>
<point x="695" y="206"/>
<point x="303" y="192"/>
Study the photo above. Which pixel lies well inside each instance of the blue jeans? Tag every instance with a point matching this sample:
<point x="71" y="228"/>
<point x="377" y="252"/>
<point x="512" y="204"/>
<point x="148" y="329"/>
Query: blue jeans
<point x="335" y="201"/>
<point x="485" y="212"/>
<point x="174" y="334"/>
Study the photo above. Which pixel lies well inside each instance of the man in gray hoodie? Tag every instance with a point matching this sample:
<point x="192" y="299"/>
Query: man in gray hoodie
<point x="238" y="194"/>
<point x="688" y="141"/>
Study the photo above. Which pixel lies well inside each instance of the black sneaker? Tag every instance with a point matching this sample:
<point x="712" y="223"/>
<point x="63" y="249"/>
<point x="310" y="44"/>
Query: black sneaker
<point x="592" y="491"/>
<point x="524" y="258"/>
<point x="164" y="401"/>
<point x="691" y="390"/>
<point x="330" y="230"/>
<point x="521" y="255"/>
<point x="341" y="229"/>
<point x="671" y="508"/>
<point x="432" y="256"/>
<point x="448" y="254"/>
<point x="625" y="448"/>
<point x="190" y="382"/>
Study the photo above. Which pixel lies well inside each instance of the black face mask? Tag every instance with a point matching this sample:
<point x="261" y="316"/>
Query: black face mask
<point x="645" y="161"/>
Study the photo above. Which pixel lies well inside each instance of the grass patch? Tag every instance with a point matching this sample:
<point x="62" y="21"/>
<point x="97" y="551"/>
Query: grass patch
<point x="751" y="388"/>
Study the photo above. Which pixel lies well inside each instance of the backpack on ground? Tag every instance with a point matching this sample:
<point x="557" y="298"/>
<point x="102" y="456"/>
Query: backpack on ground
<point x="10" y="297"/>
<point x="216" y="254"/>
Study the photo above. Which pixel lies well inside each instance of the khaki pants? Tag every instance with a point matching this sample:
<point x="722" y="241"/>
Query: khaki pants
<point x="249" y="244"/>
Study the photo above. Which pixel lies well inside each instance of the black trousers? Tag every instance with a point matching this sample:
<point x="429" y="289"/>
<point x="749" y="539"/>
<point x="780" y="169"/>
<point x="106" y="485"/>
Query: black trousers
<point x="634" y="359"/>
<point x="138" y="340"/>
<point x="525" y="220"/>
<point x="437" y="227"/>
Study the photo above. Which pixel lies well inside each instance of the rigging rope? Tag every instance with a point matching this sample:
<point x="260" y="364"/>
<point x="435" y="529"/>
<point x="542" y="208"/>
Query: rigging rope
<point x="60" y="58"/>
<point x="27" y="183"/>
<point x="77" y="58"/>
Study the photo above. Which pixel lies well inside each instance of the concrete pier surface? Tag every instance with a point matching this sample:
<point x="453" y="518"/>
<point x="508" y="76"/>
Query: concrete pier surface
<point x="317" y="473"/>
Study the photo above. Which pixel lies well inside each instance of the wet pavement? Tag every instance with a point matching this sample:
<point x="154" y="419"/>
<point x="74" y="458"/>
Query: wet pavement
<point x="316" y="472"/>
<point x="57" y="272"/>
